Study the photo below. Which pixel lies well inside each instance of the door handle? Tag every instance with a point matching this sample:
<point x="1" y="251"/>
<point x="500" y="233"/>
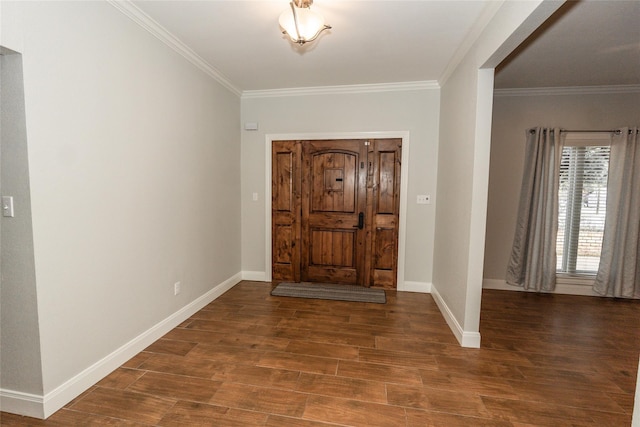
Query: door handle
<point x="360" y="225"/>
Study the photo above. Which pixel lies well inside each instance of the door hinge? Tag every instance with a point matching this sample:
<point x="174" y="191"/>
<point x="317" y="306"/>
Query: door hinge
<point x="367" y="143"/>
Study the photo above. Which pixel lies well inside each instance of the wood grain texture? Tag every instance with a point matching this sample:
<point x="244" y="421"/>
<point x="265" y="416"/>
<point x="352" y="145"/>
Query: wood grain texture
<point x="333" y="195"/>
<point x="124" y="404"/>
<point x="319" y="190"/>
<point x="251" y="359"/>
<point x="186" y="413"/>
<point x="383" y="206"/>
<point x="285" y="210"/>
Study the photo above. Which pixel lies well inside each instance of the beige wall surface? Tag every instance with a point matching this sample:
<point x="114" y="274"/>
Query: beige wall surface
<point x="134" y="170"/>
<point x="19" y="334"/>
<point x="512" y="116"/>
<point x="415" y="111"/>
<point x="463" y="163"/>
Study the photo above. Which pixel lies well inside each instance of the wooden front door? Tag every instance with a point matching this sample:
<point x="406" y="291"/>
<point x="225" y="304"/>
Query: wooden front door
<point x="334" y="200"/>
<point x="335" y="211"/>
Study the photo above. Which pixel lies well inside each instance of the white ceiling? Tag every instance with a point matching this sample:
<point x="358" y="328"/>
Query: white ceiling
<point x="371" y="41"/>
<point x="587" y="43"/>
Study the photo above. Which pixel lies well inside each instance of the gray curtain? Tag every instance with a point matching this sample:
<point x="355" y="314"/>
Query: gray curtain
<point x="533" y="256"/>
<point x="619" y="271"/>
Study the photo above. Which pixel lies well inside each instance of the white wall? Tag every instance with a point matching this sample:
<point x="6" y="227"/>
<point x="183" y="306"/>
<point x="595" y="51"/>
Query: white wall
<point x="512" y="115"/>
<point x="134" y="159"/>
<point x="415" y="111"/>
<point x="19" y="334"/>
<point x="463" y="165"/>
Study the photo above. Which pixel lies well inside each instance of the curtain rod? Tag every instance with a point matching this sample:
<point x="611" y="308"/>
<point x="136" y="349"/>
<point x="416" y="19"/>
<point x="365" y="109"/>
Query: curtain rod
<point x="587" y="131"/>
<point x="590" y="131"/>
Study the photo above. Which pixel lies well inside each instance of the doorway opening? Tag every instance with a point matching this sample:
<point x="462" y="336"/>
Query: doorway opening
<point x="335" y="211"/>
<point x="351" y="190"/>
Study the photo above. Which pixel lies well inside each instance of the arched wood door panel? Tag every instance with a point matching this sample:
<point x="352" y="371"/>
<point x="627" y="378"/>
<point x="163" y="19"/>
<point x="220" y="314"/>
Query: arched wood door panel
<point x="333" y="195"/>
<point x="335" y="211"/>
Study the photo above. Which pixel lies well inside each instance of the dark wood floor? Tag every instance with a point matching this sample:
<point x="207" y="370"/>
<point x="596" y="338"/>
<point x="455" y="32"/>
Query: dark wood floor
<point x="252" y="359"/>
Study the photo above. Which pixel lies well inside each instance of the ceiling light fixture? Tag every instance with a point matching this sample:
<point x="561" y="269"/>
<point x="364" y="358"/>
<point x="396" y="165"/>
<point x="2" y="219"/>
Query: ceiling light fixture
<point x="300" y="23"/>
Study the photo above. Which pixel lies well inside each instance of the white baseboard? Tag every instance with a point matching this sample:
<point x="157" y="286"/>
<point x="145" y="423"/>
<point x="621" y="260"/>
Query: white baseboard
<point x="256" y="276"/>
<point x="15" y="402"/>
<point x="561" y="288"/>
<point x="422" y="287"/>
<point x="43" y="406"/>
<point x="469" y="339"/>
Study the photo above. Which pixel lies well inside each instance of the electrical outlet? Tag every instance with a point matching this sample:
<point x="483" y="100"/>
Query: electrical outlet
<point x="176" y="288"/>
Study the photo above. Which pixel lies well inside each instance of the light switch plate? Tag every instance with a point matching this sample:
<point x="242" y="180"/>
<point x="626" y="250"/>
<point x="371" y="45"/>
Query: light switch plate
<point x="424" y="199"/>
<point x="7" y="206"/>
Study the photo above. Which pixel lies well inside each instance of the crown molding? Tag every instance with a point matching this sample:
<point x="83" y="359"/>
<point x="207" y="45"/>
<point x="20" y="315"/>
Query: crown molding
<point x="470" y="38"/>
<point x="339" y="90"/>
<point x="146" y="22"/>
<point x="569" y="90"/>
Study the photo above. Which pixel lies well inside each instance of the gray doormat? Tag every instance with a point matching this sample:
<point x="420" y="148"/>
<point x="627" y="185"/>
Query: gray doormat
<point x="330" y="291"/>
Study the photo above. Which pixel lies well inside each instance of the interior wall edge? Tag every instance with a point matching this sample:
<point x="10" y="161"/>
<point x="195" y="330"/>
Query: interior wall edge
<point x="20" y="336"/>
<point x="469" y="339"/>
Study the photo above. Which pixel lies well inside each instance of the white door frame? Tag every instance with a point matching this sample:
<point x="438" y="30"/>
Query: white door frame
<point x="404" y="178"/>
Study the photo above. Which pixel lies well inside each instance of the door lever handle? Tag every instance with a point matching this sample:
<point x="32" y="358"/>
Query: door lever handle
<point x="360" y="225"/>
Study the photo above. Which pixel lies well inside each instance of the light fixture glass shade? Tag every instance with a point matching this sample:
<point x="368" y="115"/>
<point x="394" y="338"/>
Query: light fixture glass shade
<point x="310" y="24"/>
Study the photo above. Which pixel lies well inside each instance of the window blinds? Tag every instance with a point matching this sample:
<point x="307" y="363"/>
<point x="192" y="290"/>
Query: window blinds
<point x="582" y="208"/>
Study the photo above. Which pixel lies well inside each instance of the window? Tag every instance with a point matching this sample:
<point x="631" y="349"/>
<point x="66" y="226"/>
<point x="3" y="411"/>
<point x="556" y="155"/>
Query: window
<point x="582" y="203"/>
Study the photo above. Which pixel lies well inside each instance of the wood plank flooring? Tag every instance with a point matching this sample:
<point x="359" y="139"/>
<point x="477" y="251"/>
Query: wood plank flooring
<point x="252" y="359"/>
